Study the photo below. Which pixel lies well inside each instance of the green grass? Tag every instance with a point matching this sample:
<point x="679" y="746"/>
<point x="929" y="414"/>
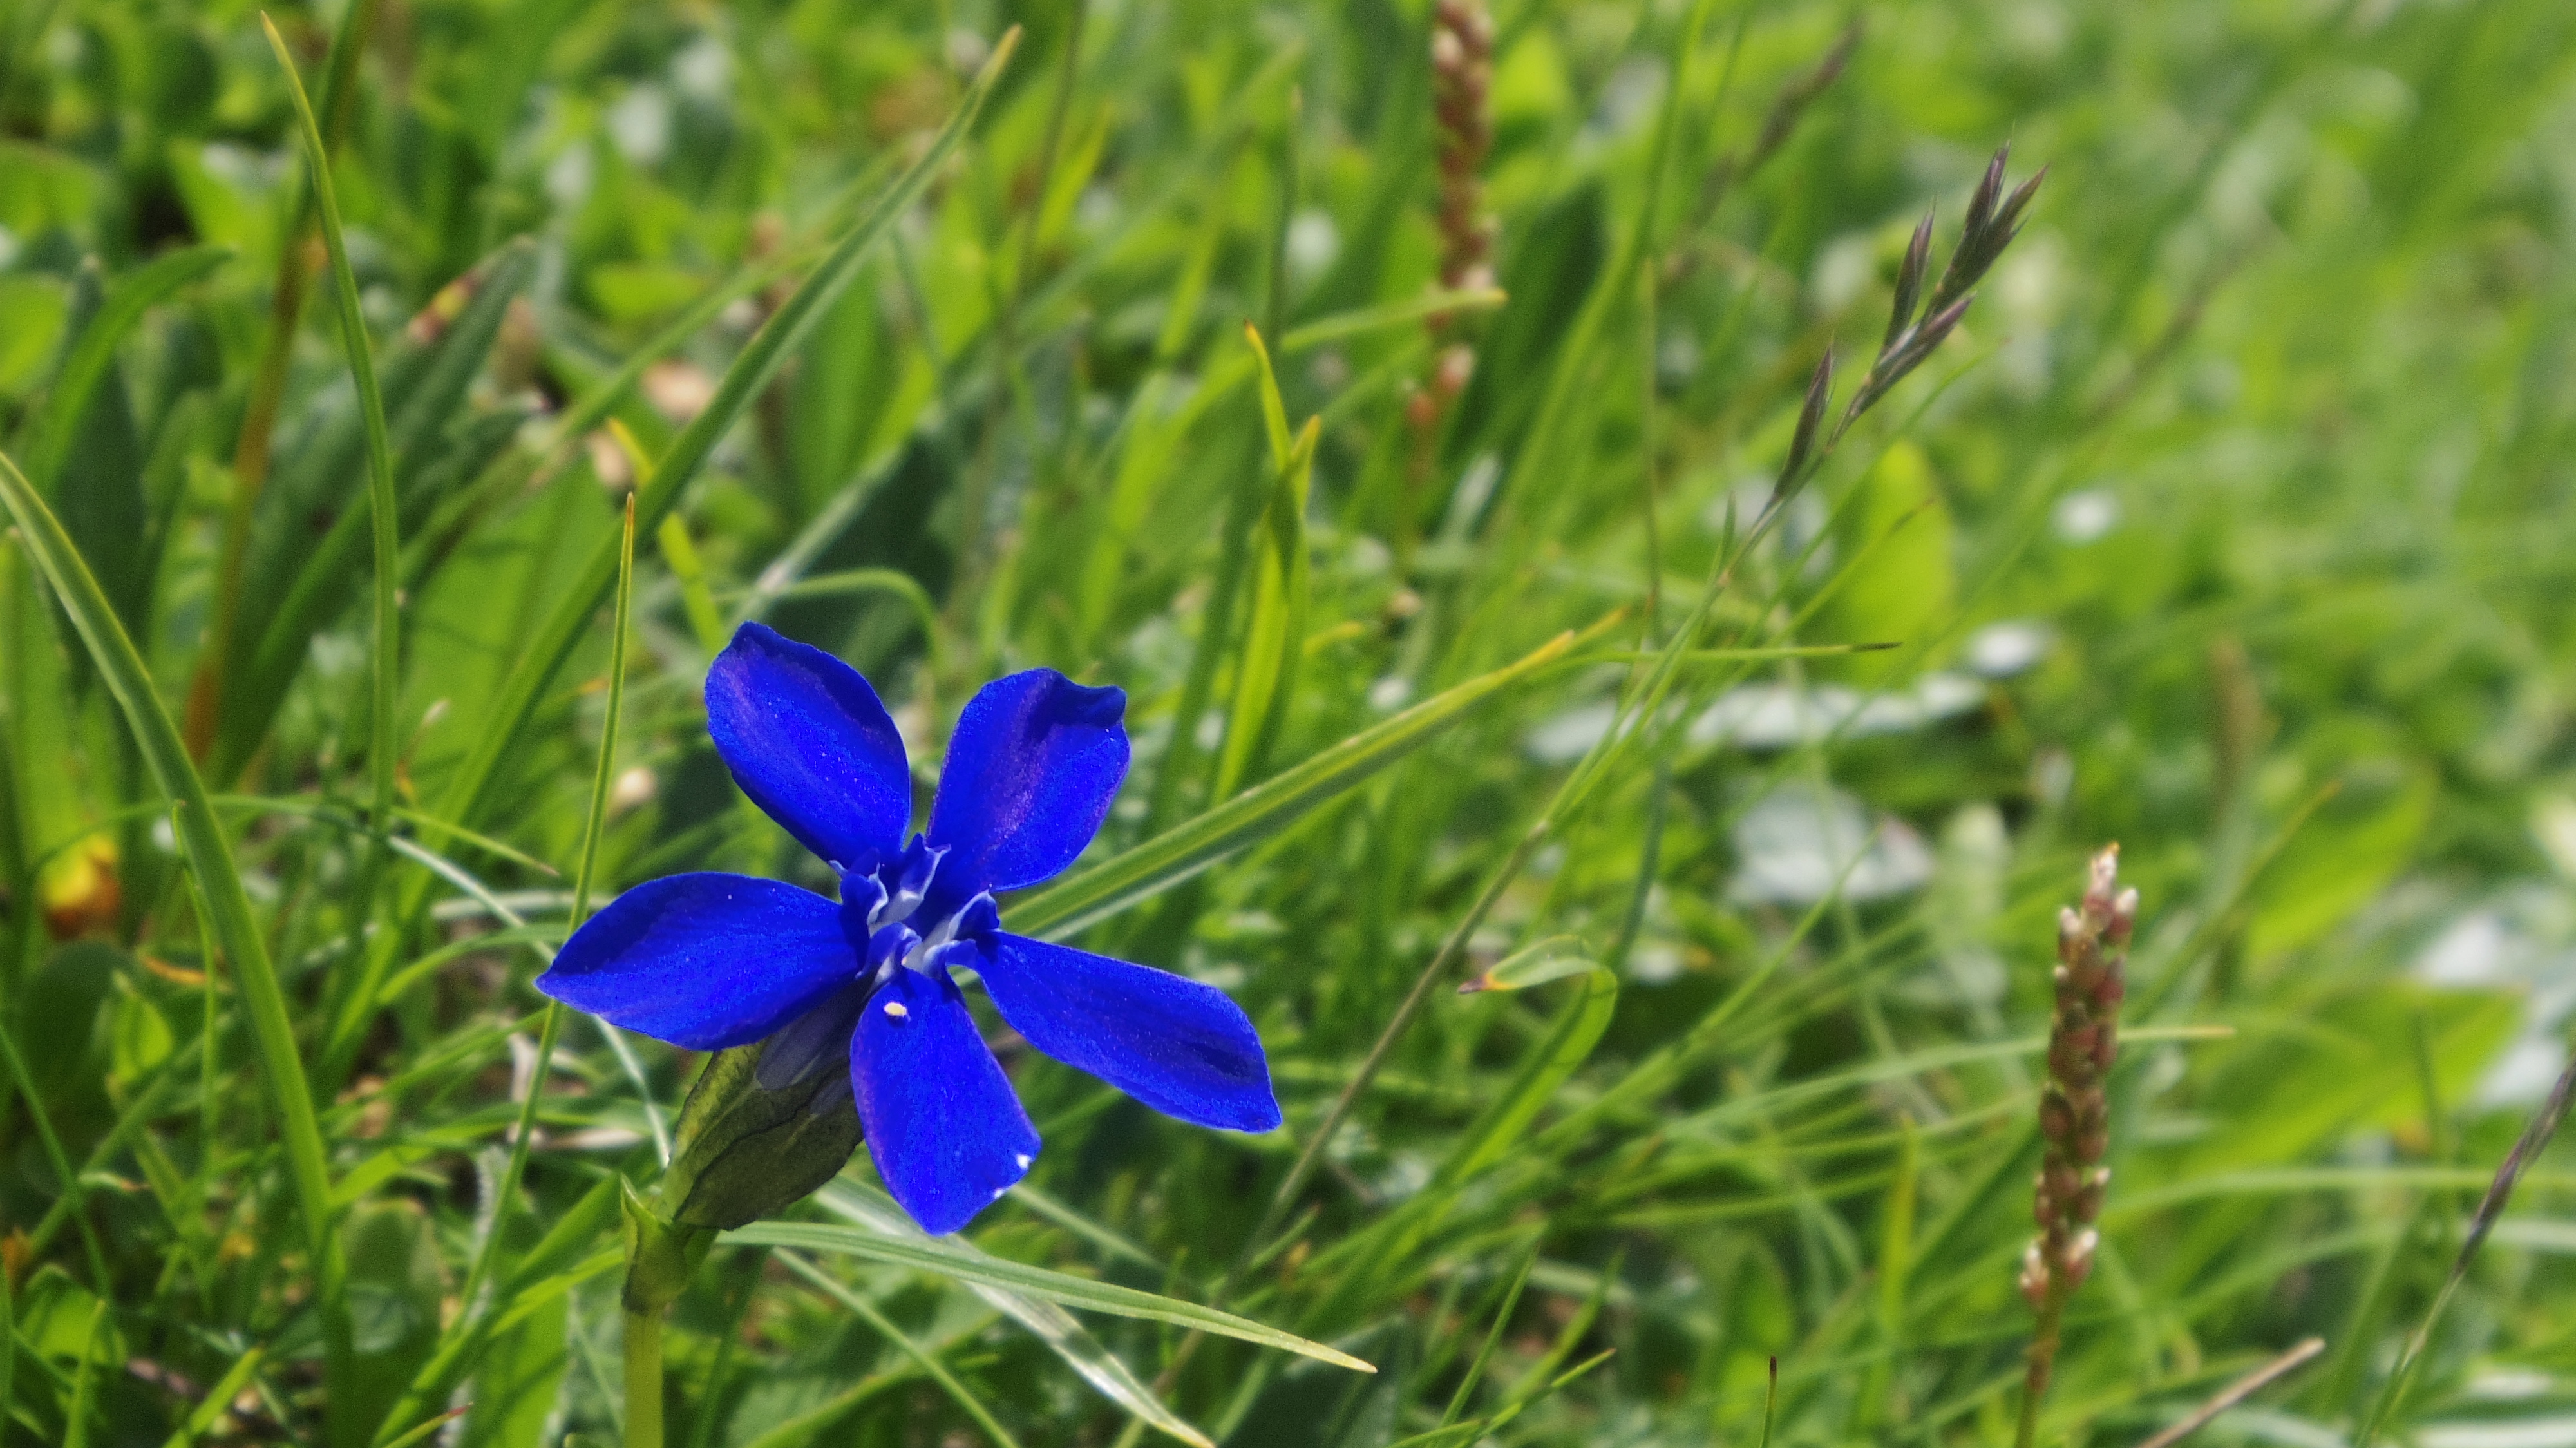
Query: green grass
<point x="2236" y="523"/>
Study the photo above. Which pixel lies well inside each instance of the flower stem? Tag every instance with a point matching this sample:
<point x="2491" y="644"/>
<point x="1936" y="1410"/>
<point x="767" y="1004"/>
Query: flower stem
<point x="644" y="1378"/>
<point x="2043" y="1361"/>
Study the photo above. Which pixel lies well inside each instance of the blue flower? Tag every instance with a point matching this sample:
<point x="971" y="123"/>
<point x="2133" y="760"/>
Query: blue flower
<point x="709" y="961"/>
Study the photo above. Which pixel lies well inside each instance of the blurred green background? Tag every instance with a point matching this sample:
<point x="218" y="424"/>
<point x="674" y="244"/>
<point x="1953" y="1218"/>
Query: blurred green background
<point x="2234" y="524"/>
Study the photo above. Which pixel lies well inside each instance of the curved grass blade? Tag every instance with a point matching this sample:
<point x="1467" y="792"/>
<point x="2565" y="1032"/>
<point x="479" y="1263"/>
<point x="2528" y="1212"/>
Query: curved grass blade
<point x="74" y="1196"/>
<point x="1554" y="958"/>
<point x="1058" y="1329"/>
<point x="218" y="1398"/>
<point x="943" y="1258"/>
<point x="380" y="461"/>
<point x="963" y="1396"/>
<point x="1493" y="1339"/>
<point x="1266" y="672"/>
<point x="428" y="1426"/>
<point x="95" y="352"/>
<point x="507" y="1189"/>
<point x="1565" y="1050"/>
<point x="209" y="858"/>
<point x="1264" y="810"/>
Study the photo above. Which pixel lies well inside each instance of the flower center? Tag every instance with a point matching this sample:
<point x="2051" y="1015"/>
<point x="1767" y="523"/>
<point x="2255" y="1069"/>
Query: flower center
<point x="894" y="931"/>
<point x="906" y="882"/>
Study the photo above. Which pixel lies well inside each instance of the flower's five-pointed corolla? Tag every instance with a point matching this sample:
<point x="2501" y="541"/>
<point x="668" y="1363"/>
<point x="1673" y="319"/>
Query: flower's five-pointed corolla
<point x="709" y="961"/>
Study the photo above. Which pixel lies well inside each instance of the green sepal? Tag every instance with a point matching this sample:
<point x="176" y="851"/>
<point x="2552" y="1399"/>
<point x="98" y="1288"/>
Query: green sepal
<point x="742" y="1152"/>
<point x="660" y="1255"/>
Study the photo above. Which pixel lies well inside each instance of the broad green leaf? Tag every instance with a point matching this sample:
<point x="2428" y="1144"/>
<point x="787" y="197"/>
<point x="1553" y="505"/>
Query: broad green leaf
<point x="1901" y="581"/>
<point x="937" y="1256"/>
<point x="33" y="310"/>
<point x="2342" y="860"/>
<point x="142" y="1040"/>
<point x="256" y="686"/>
<point x="2278" y="1099"/>
<point x="549" y="1269"/>
<point x="97" y="482"/>
<point x="514" y="1393"/>
<point x="396" y="1283"/>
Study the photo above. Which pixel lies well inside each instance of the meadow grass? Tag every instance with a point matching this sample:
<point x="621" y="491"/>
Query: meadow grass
<point x="1645" y="553"/>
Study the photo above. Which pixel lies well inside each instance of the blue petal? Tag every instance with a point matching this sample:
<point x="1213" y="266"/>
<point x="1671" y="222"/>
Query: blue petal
<point x="942" y="1125"/>
<point x="1031" y="771"/>
<point x="704" y="961"/>
<point x="819" y="1036"/>
<point x="1178" y="1046"/>
<point x="806" y="738"/>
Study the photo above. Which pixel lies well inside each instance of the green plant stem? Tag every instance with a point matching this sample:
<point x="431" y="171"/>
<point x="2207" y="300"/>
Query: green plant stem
<point x="2043" y="1358"/>
<point x="644" y="1378"/>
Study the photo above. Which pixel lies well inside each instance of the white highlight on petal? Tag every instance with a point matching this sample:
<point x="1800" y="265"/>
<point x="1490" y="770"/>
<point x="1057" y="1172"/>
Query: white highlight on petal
<point x="1023" y="1158"/>
<point x="895" y="1010"/>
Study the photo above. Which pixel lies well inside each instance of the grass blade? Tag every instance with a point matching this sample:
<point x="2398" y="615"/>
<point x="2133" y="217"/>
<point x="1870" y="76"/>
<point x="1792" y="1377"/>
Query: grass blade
<point x="1266" y="672"/>
<point x="1050" y="1324"/>
<point x="1264" y="810"/>
<point x="943" y="1258"/>
<point x="217" y="1398"/>
<point x="2238" y="1391"/>
<point x="506" y="1190"/>
<point x="1493" y="1340"/>
<point x="2535" y="1137"/>
<point x="380" y="462"/>
<point x="1565" y="1049"/>
<point x="963" y="1396"/>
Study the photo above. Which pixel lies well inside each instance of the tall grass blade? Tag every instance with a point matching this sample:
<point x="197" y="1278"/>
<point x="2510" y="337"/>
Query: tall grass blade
<point x="934" y="1255"/>
<point x="386" y="661"/>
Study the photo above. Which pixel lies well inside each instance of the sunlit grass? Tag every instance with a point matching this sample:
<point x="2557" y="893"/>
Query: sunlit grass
<point x="2228" y="523"/>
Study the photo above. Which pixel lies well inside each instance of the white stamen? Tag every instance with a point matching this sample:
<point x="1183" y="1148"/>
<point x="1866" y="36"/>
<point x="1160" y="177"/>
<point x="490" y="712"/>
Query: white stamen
<point x="918" y="958"/>
<point x="1023" y="1158"/>
<point x="895" y="1010"/>
<point x="906" y="897"/>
